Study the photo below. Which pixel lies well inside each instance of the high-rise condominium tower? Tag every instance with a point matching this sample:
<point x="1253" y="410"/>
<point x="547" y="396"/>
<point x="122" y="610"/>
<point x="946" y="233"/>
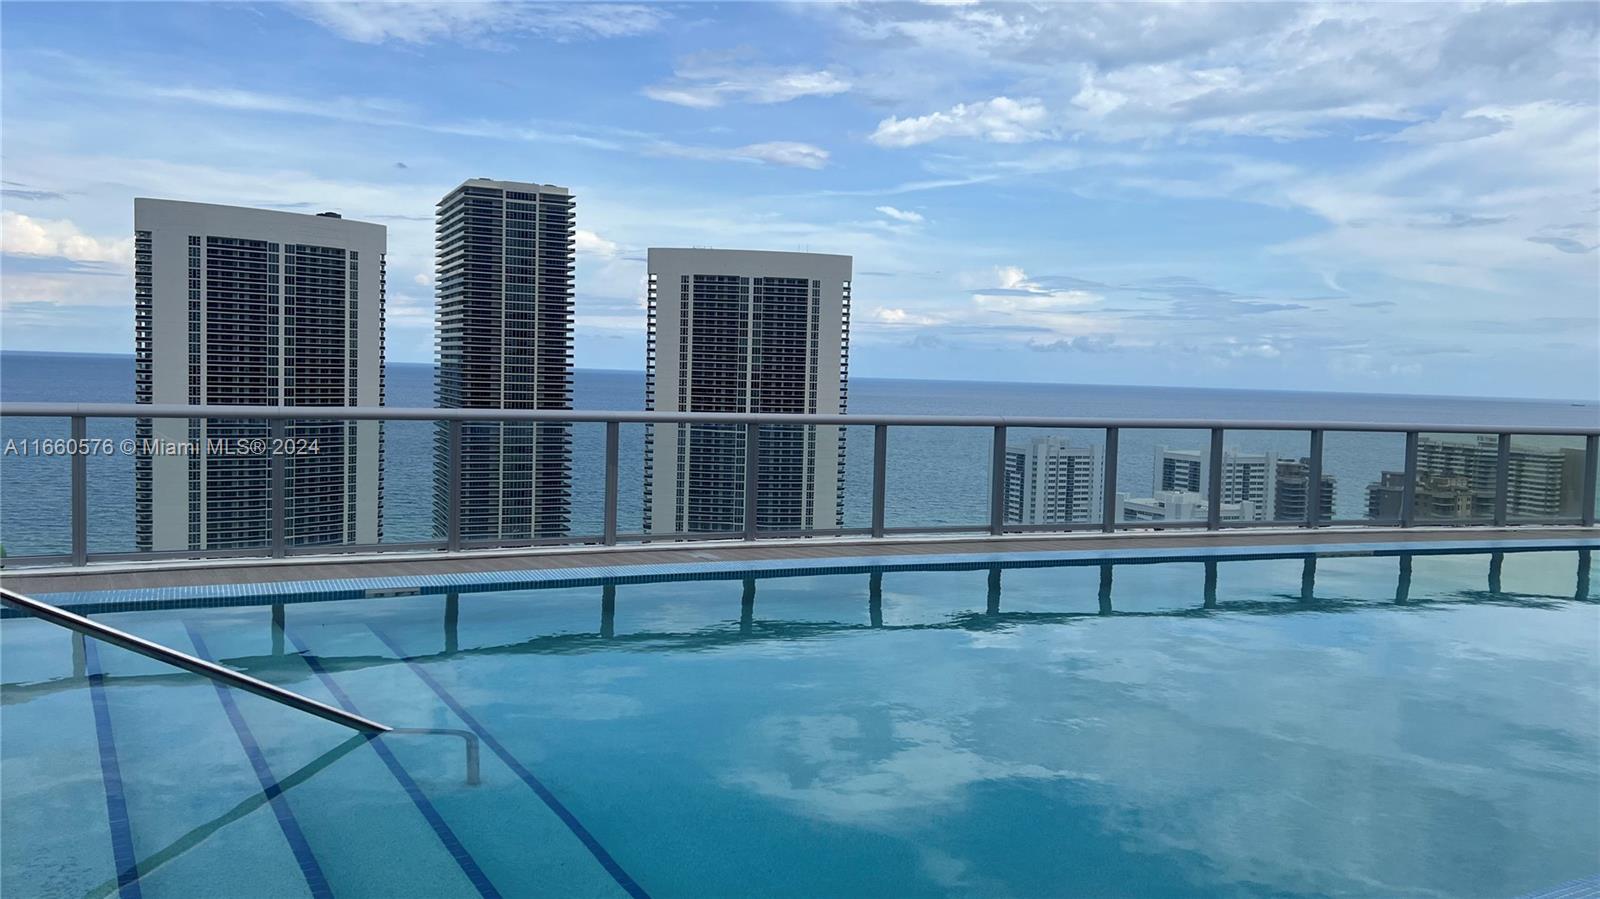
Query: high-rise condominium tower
<point x="1291" y="500"/>
<point x="1456" y="478"/>
<point x="1049" y="480"/>
<point x="745" y="331"/>
<point x="505" y="269"/>
<point x="254" y="307"/>
<point x="1246" y="477"/>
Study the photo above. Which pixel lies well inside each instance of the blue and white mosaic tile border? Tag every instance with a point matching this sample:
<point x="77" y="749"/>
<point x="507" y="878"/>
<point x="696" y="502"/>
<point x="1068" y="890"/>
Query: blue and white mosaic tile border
<point x="211" y="595"/>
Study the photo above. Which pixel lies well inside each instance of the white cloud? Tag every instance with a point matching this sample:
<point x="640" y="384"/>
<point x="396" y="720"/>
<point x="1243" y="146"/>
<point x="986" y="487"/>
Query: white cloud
<point x="423" y="279"/>
<point x="421" y="23"/>
<point x="789" y="153"/>
<point x="592" y="244"/>
<point x="1002" y="120"/>
<point x="901" y="215"/>
<point x="1447" y="128"/>
<point x="23" y="235"/>
<point x="1282" y="71"/>
<point x="891" y="315"/>
<point x="708" y="85"/>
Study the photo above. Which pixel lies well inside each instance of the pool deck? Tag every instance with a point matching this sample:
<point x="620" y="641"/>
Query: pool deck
<point x="211" y="573"/>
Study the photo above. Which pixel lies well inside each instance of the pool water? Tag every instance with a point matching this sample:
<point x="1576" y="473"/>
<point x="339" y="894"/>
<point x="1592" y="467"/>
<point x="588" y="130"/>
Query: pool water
<point x="1353" y="725"/>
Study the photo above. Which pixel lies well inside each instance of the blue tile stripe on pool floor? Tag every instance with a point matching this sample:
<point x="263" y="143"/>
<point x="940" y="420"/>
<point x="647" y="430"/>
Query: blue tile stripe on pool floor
<point x="452" y="843"/>
<point x="211" y="595"/>
<point x="555" y="805"/>
<point x="111" y="773"/>
<point x="309" y="866"/>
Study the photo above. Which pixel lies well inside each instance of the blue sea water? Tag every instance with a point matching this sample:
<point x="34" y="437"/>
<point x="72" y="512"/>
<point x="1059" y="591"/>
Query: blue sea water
<point x="937" y="476"/>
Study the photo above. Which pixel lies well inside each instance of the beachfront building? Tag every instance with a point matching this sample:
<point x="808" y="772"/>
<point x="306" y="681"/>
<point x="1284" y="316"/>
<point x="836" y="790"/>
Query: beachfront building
<point x="1050" y="480"/>
<point x="505" y="259"/>
<point x="745" y="331"/>
<point x="1179" y="505"/>
<point x="1456" y="478"/>
<point x="256" y="307"/>
<point x="1291" y="494"/>
<point x="1246" y="477"/>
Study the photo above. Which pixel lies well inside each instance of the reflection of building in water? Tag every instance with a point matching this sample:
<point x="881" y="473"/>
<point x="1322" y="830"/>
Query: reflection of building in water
<point x="1246" y="477"/>
<point x="1290" y="499"/>
<point x="1050" y="480"/>
<point x="1179" y="505"/>
<point x="1456" y="479"/>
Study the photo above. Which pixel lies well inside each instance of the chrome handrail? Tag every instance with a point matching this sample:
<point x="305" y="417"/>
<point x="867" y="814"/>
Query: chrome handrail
<point x="106" y="634"/>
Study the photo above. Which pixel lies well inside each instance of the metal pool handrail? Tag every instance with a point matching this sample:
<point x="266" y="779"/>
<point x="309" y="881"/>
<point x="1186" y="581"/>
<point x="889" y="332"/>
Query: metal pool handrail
<point x="63" y="618"/>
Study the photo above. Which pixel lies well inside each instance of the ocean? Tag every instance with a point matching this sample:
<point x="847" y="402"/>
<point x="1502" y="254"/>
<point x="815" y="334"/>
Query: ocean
<point x="937" y="476"/>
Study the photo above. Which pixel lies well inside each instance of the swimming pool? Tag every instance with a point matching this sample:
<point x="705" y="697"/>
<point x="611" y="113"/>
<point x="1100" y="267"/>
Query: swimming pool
<point x="1422" y="725"/>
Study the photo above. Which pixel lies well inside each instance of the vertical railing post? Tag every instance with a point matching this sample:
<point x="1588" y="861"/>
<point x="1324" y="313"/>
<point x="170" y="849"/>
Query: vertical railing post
<point x="613" y="439"/>
<point x="1108" y="488"/>
<point x="1314" y="482"/>
<point x="752" y="456"/>
<point x="880" y="475"/>
<point x="453" y="503"/>
<point x="1214" y="483"/>
<point x="997" y="483"/>
<point x="1408" y="490"/>
<point x="80" y="490"/>
<point x="1591" y="453"/>
<point x="278" y="496"/>
<point x="1502" y="480"/>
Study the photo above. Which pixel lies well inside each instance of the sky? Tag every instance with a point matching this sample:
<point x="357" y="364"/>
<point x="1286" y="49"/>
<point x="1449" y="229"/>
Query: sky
<point x="1398" y="198"/>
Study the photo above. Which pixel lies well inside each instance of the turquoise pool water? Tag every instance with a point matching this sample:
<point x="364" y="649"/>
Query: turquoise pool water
<point x="1355" y="725"/>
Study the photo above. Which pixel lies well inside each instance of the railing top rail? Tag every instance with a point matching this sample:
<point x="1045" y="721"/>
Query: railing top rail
<point x="404" y="413"/>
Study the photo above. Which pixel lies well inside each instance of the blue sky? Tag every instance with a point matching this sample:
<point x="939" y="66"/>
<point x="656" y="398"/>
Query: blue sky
<point x="1395" y="198"/>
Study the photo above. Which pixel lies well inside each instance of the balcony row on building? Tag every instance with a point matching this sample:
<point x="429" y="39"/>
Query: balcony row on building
<point x="238" y="306"/>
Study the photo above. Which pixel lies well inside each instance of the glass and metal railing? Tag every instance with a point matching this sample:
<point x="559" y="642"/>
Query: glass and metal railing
<point x="651" y="477"/>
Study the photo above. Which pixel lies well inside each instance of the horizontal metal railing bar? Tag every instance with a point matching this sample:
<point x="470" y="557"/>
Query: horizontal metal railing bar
<point x="247" y="552"/>
<point x="496" y="543"/>
<point x="404" y="413"/>
<point x="39" y="559"/>
<point x="681" y="535"/>
<point x="317" y="549"/>
<point x="1176" y="523"/>
<point x="819" y="532"/>
<point x="106" y="634"/>
<point x="1051" y="527"/>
